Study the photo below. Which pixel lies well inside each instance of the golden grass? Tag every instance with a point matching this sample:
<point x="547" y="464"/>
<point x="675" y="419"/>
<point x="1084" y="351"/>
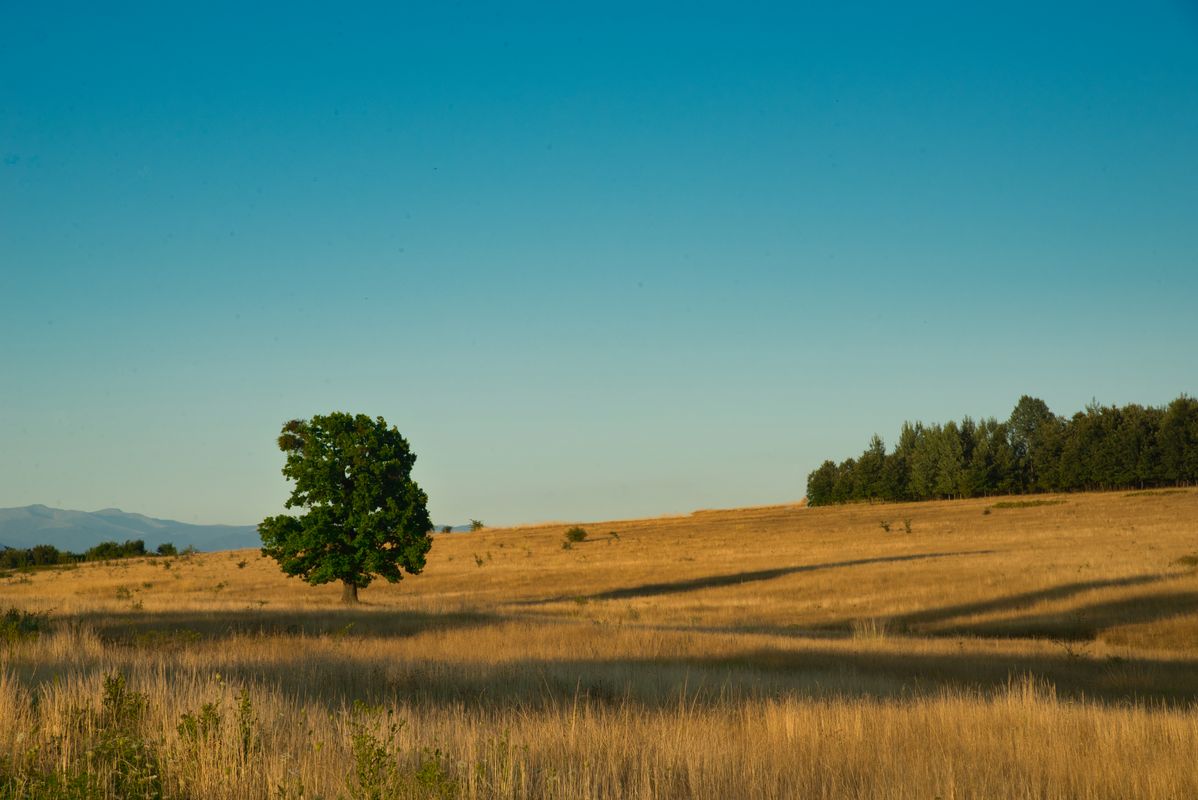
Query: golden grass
<point x="1020" y="651"/>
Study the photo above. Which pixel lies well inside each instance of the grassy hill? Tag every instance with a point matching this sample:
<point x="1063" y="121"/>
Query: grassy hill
<point x="1015" y="647"/>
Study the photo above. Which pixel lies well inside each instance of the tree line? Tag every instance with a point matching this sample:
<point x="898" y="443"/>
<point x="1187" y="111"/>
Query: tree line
<point x="1034" y="450"/>
<point x="44" y="555"/>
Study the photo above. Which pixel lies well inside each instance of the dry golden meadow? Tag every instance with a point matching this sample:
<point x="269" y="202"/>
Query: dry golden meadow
<point x="976" y="649"/>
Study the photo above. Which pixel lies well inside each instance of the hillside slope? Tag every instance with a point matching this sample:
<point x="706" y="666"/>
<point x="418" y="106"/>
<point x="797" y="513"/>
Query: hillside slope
<point x="1031" y="648"/>
<point x="76" y="531"/>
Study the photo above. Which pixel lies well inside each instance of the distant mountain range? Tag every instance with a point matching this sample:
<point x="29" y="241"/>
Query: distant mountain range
<point x="76" y="531"/>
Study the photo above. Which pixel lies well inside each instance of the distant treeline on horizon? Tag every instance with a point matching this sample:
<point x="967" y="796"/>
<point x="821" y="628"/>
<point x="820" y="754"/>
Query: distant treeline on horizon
<point x="45" y="555"/>
<point x="1102" y="447"/>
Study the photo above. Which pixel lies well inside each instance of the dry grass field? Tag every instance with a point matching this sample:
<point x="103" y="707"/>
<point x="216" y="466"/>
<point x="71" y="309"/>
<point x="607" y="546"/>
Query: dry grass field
<point x="966" y="649"/>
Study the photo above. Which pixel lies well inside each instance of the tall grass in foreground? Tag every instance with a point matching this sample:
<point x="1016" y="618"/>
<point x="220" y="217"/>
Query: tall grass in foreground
<point x="90" y="735"/>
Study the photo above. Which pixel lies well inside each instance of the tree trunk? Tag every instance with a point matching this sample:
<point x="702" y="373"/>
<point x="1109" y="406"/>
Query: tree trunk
<point x="349" y="593"/>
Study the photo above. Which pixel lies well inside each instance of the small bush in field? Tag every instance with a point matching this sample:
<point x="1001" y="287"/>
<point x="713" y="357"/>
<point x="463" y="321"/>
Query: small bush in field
<point x="127" y="760"/>
<point x="16" y="625"/>
<point x="576" y="534"/>
<point x="201" y="725"/>
<point x="377" y="771"/>
<point x="247" y="724"/>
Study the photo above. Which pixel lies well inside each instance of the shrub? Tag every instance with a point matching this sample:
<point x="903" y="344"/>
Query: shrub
<point x="16" y="625"/>
<point x="379" y="775"/>
<point x="576" y="534"/>
<point x="106" y="551"/>
<point x="247" y="724"/>
<point x="129" y="762"/>
<point x="200" y="726"/>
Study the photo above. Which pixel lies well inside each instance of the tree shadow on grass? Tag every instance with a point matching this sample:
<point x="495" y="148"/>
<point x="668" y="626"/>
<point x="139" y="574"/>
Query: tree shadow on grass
<point x="1086" y="622"/>
<point x="737" y="578"/>
<point x="181" y="627"/>
<point x="914" y="621"/>
<point x="335" y="674"/>
<point x="718" y="680"/>
<point x="1071" y="672"/>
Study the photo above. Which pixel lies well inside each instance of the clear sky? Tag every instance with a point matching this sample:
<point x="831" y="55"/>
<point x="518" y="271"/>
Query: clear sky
<point x="594" y="261"/>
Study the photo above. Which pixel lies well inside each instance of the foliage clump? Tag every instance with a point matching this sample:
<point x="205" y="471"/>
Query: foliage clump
<point x="17" y="624"/>
<point x="114" y="759"/>
<point x="378" y="771"/>
<point x="47" y="555"/>
<point x="1033" y="451"/>
<point x="365" y="516"/>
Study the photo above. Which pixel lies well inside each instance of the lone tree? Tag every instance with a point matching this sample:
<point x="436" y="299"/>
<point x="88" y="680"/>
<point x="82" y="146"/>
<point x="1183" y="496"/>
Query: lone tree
<point x="366" y="517"/>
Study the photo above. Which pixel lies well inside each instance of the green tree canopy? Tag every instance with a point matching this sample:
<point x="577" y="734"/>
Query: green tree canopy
<point x="1104" y="447"/>
<point x="365" y="517"/>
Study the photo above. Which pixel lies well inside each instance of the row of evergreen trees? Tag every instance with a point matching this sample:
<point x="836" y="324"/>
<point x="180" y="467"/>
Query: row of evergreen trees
<point x="1103" y="447"/>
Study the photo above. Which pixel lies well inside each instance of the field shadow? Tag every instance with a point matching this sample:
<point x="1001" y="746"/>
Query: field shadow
<point x="1086" y="622"/>
<point x="764" y="673"/>
<point x="1024" y="599"/>
<point x="737" y="578"/>
<point x="1071" y="672"/>
<point x="338" y="675"/>
<point x="181" y="627"/>
<point x="1080" y="623"/>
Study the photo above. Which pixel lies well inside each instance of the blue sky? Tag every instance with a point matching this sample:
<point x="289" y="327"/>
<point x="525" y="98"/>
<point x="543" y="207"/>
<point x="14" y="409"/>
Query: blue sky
<point x="594" y="262"/>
